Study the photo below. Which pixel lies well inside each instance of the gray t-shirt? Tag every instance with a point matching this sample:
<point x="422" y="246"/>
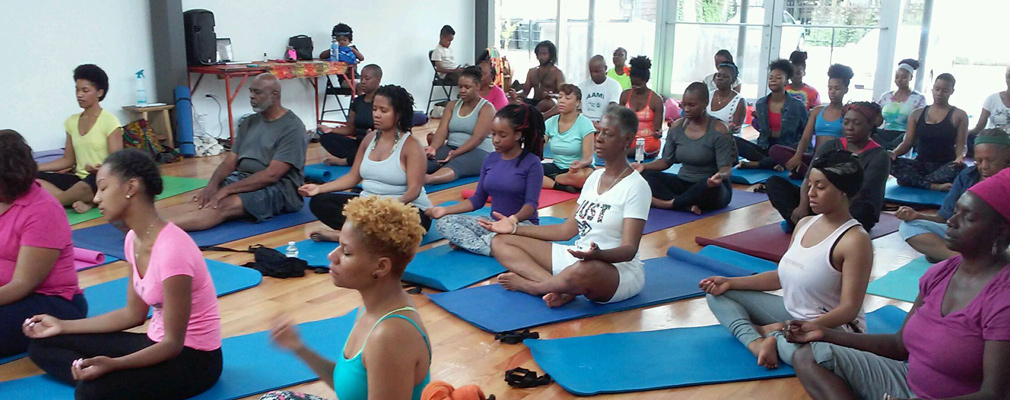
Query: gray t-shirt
<point x="700" y="158"/>
<point x="259" y="142"/>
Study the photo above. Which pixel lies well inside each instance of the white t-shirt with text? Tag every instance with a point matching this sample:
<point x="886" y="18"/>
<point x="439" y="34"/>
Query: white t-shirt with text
<point x="596" y="97"/>
<point x="601" y="216"/>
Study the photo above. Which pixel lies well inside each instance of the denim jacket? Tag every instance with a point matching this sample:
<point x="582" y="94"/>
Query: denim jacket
<point x="794" y="120"/>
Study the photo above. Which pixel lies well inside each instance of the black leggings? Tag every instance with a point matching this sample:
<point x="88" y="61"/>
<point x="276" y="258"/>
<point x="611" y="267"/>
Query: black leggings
<point x="341" y="146"/>
<point x="785" y="197"/>
<point x="920" y="174"/>
<point x="188" y="374"/>
<point x="12" y="340"/>
<point x="686" y="194"/>
<point x="329" y="209"/>
<point x="752" y="152"/>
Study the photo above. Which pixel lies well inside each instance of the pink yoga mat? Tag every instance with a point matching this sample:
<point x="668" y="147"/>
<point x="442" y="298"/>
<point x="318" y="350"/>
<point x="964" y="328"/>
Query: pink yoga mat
<point x="84" y="259"/>
<point x="770" y="242"/>
<point x="548" y="197"/>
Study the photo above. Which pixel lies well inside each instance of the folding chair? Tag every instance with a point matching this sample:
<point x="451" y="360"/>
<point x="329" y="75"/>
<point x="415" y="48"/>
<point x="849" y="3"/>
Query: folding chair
<point x="336" y="92"/>
<point x="438" y="82"/>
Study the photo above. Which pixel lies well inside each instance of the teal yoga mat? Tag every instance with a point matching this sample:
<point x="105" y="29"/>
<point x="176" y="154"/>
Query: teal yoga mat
<point x="902" y="283"/>
<point x="252" y="364"/>
<point x="639" y="361"/>
<point x="913" y="196"/>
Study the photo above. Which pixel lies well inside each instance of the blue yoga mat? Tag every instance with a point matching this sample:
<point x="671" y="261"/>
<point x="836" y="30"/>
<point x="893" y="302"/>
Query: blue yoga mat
<point x="661" y="219"/>
<point x="15" y="357"/>
<point x="323" y="173"/>
<point x="747" y="262"/>
<point x="670" y="278"/>
<point x="913" y="196"/>
<point x="252" y="364"/>
<point x="639" y="361"/>
<point x="109" y="240"/>
<point x="228" y="278"/>
<point x="747" y="176"/>
<point x="902" y="283"/>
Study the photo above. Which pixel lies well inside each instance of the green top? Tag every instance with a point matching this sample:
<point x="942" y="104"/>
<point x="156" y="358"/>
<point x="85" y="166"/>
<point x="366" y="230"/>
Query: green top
<point x="624" y="80"/>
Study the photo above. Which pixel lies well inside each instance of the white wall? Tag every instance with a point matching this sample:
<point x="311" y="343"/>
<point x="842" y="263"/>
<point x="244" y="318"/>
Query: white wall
<point x="395" y="34"/>
<point x="43" y="41"/>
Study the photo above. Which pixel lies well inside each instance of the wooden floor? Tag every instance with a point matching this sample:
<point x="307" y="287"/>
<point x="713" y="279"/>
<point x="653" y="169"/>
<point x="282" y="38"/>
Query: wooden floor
<point x="464" y="354"/>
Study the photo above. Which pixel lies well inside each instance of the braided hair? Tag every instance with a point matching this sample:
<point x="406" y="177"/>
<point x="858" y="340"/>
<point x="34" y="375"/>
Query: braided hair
<point x="530" y="122"/>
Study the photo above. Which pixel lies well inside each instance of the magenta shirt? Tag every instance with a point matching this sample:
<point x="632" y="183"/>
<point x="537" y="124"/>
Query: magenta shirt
<point x="37" y="219"/>
<point x="497" y="98"/>
<point x="945" y="353"/>
<point x="175" y="254"/>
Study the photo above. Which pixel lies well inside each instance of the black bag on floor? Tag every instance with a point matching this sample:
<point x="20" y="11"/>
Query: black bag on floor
<point x="269" y="262"/>
<point x="302" y="45"/>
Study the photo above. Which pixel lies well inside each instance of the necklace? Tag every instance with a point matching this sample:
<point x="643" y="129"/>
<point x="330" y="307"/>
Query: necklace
<point x="136" y="255"/>
<point x="618" y="178"/>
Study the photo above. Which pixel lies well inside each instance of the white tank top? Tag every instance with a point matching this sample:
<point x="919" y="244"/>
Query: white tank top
<point x="387" y="178"/>
<point x="811" y="287"/>
<point x="725" y="114"/>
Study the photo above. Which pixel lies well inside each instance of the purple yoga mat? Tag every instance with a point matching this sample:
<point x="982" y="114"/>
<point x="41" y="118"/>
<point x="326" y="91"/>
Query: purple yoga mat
<point x="662" y="219"/>
<point x="47" y="155"/>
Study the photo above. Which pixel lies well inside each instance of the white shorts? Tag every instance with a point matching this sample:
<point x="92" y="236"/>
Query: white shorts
<point x="631" y="273"/>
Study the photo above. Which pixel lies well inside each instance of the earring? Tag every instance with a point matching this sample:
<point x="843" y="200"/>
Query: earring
<point x="128" y="196"/>
<point x="375" y="275"/>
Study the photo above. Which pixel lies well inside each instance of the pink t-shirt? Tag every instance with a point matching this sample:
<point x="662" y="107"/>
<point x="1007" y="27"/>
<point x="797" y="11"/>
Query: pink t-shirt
<point x="497" y="98"/>
<point x="174" y="254"/>
<point x="945" y="353"/>
<point x="37" y="219"/>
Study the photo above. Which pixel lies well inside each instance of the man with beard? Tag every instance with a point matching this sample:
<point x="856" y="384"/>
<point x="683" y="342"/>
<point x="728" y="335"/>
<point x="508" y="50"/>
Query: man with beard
<point x="543" y="80"/>
<point x="260" y="177"/>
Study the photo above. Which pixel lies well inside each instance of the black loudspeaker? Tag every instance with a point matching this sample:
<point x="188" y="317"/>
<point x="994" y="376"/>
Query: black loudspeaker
<point x="201" y="41"/>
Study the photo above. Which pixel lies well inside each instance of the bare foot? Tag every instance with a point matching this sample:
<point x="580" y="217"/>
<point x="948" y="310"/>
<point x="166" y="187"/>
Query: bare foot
<point x="82" y="207"/>
<point x="557" y="299"/>
<point x="749" y="165"/>
<point x="696" y="210"/>
<point x="779" y="168"/>
<point x="514" y="282"/>
<point x="664" y="204"/>
<point x="335" y="161"/>
<point x="941" y="187"/>
<point x="325" y="235"/>
<point x="453" y="246"/>
<point x="768" y="354"/>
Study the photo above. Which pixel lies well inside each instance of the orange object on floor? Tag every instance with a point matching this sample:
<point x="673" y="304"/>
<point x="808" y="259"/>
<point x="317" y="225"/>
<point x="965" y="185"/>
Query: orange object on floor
<point x="439" y="390"/>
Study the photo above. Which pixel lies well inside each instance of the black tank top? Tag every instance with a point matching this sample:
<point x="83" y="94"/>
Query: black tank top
<point x="936" y="141"/>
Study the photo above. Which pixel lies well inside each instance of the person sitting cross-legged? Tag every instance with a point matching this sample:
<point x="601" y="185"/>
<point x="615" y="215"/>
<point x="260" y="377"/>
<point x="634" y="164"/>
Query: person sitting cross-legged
<point x="604" y="264"/>
<point x="259" y="178"/>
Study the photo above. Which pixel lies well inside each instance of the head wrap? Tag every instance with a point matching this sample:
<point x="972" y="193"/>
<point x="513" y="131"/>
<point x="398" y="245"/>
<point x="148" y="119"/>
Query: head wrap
<point x="906" y="67"/>
<point x="1002" y="140"/>
<point x="996" y="192"/>
<point x="870" y="111"/>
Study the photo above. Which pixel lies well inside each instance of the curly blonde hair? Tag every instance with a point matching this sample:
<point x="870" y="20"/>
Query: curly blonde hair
<point x="390" y="227"/>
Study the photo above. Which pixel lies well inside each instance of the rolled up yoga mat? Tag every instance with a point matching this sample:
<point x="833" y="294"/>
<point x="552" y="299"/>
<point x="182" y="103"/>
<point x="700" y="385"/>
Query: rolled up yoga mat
<point x="322" y="173"/>
<point x="184" y="121"/>
<point x="42" y="157"/>
<point x="494" y="309"/>
<point x="86" y="259"/>
<point x="669" y="358"/>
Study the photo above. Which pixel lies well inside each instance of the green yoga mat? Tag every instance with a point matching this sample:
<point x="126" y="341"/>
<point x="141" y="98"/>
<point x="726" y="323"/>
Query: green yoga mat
<point x="173" y="186"/>
<point x="902" y="283"/>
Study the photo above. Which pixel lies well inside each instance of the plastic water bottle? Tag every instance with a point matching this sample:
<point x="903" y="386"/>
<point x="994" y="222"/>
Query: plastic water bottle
<point x="334" y="50"/>
<point x="639" y="150"/>
<point x="291" y="251"/>
<point x="141" y="91"/>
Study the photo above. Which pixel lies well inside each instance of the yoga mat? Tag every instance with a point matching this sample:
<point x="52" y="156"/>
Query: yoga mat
<point x="15" y="357"/>
<point x="173" y="186"/>
<point x="548" y="197"/>
<point x="109" y="240"/>
<point x="770" y="242"/>
<point x="86" y="259"/>
<point x="913" y="196"/>
<point x="228" y="278"/>
<point x="902" y="283"/>
<point x="323" y="173"/>
<point x="670" y="278"/>
<point x="44" y="156"/>
<point x="252" y="364"/>
<point x="747" y="262"/>
<point x="660" y="219"/>
<point x="746" y="176"/>
<point x="669" y="358"/>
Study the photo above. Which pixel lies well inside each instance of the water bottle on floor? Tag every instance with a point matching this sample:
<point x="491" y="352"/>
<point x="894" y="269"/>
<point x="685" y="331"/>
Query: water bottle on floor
<point x="639" y="150"/>
<point x="291" y="251"/>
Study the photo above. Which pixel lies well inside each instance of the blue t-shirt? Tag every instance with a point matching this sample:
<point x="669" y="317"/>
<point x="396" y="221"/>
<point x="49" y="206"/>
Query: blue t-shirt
<point x="511" y="184"/>
<point x="567" y="146"/>
<point x="964" y="180"/>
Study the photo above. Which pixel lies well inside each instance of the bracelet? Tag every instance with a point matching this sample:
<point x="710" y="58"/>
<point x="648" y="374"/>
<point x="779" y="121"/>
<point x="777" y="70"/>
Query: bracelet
<point x="515" y="228"/>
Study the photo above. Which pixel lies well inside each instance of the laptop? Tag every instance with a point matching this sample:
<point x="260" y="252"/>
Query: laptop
<point x="224" y="54"/>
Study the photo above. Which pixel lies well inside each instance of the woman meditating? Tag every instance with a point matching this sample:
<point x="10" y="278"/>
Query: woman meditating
<point x="463" y="138"/>
<point x="955" y="342"/>
<point x="705" y="149"/>
<point x="388" y="164"/>
<point x="897" y="106"/>
<point x="995" y="111"/>
<point x="861" y="119"/>
<point x="180" y="355"/>
<point x="37" y="274"/>
<point x="570" y="139"/>
<point x="725" y="103"/>
<point x="387" y="354"/>
<point x="778" y="117"/>
<point x="604" y="264"/>
<point x="824" y="123"/>
<point x="91" y="136"/>
<point x="511" y="177"/>
<point x="801" y="91"/>
<point x="823" y="275"/>
<point x="488" y="90"/>
<point x="939" y="133"/>
<point x="647" y="105"/>
<point x="342" y="142"/>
